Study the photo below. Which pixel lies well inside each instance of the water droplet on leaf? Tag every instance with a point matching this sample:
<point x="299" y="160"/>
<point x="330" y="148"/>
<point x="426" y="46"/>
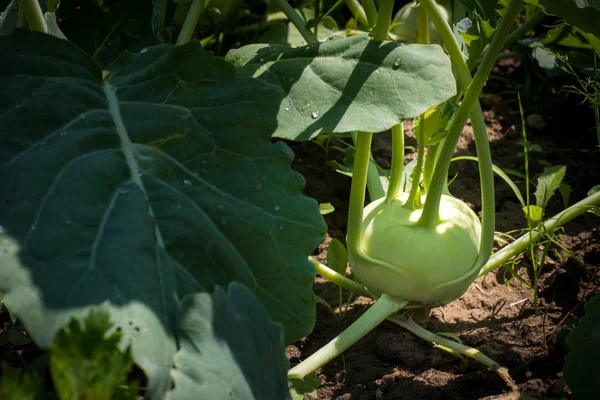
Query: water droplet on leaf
<point x="145" y="49"/>
<point x="277" y="208"/>
<point x="187" y="182"/>
<point x="397" y="64"/>
<point x="287" y="109"/>
<point x="315" y="115"/>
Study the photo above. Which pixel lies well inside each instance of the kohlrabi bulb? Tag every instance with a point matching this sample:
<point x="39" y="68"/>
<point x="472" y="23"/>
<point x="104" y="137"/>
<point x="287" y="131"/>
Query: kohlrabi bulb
<point x="405" y="26"/>
<point x="422" y="264"/>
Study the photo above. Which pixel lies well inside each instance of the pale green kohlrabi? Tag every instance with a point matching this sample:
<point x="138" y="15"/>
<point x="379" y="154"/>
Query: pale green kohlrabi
<point x="406" y="259"/>
<point x="405" y="26"/>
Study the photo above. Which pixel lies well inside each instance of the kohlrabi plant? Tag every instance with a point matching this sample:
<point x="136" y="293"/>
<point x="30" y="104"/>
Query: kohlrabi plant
<point x="148" y="218"/>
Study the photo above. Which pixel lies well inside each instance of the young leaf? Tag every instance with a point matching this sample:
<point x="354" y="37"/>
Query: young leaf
<point x="141" y="186"/>
<point x="85" y="359"/>
<point x="349" y="84"/>
<point x="337" y="256"/>
<point x="548" y="182"/>
<point x="308" y="386"/>
<point x="582" y="369"/>
<point x="326" y="208"/>
<point x="223" y="355"/>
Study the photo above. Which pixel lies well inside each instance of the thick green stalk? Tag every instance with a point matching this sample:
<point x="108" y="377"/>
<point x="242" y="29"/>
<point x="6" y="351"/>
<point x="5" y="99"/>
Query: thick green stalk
<point x="375" y="315"/>
<point x="357" y="189"/>
<point x="34" y="15"/>
<point x="525" y="27"/>
<point x="374" y="184"/>
<point x="522" y="243"/>
<point x="371" y="11"/>
<point x="191" y="19"/>
<point x="384" y="19"/>
<point x="340" y="280"/>
<point x="297" y="20"/>
<point x="429" y="166"/>
<point x="423" y="30"/>
<point x="358" y="11"/>
<point x="394" y="188"/>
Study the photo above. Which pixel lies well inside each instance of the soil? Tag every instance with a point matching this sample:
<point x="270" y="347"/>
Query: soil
<point x="497" y="315"/>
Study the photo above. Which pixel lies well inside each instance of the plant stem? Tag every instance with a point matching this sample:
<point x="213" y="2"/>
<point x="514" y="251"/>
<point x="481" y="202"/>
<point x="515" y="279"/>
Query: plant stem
<point x="423" y="29"/>
<point x="357" y="190"/>
<point x="429" y="167"/>
<point x="475" y="354"/>
<point x="358" y="11"/>
<point x="298" y="22"/>
<point x="384" y="19"/>
<point x="470" y="105"/>
<point x="35" y="16"/>
<point x="394" y="188"/>
<point x="375" y="315"/>
<point x="525" y="27"/>
<point x="374" y="184"/>
<point x="371" y="11"/>
<point x="191" y="19"/>
<point x="340" y="280"/>
<point x="519" y="245"/>
<point x="416" y="176"/>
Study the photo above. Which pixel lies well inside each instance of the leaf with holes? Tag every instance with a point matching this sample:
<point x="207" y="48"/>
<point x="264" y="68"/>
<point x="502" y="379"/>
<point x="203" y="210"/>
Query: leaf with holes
<point x="349" y="84"/>
<point x="140" y="185"/>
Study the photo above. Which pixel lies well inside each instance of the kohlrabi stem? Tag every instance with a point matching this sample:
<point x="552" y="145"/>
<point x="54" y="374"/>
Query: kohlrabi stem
<point x="374" y="184"/>
<point x="525" y="27"/>
<point x="35" y="16"/>
<point x="429" y="166"/>
<point x="394" y="188"/>
<point x="339" y="279"/>
<point x="384" y="307"/>
<point x="371" y="11"/>
<point x="384" y="19"/>
<point x="358" y="11"/>
<point x="297" y="20"/>
<point x="475" y="354"/>
<point x="470" y="105"/>
<point x="423" y="29"/>
<point x="522" y="243"/>
<point x="416" y="177"/>
<point x="191" y="19"/>
<point x="357" y="189"/>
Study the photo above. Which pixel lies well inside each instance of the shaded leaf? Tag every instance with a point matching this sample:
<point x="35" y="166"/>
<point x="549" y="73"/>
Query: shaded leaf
<point x="16" y="386"/>
<point x="582" y="370"/>
<point x="106" y="28"/>
<point x="137" y="188"/>
<point x="85" y="359"/>
<point x="223" y="355"/>
<point x="349" y="84"/>
<point x="308" y="386"/>
<point x="583" y="14"/>
<point x="337" y="256"/>
<point x="548" y="182"/>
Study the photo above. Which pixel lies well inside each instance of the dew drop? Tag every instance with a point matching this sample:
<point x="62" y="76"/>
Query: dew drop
<point x="287" y="109"/>
<point x="63" y="133"/>
<point x="305" y="106"/>
<point x="179" y="206"/>
<point x="68" y="222"/>
<point x="1" y="229"/>
<point x="397" y="64"/>
<point x="277" y="208"/>
<point x="280" y="227"/>
<point x="187" y="182"/>
<point x="145" y="49"/>
<point x="33" y="227"/>
<point x="124" y="190"/>
<point x="146" y="158"/>
<point x="315" y="115"/>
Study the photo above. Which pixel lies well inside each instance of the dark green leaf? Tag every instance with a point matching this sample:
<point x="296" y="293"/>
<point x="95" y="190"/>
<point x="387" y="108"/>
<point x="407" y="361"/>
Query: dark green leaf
<point x="308" y="385"/>
<point x="230" y="349"/>
<point x="85" y="359"/>
<point x="583" y="14"/>
<point x="547" y="184"/>
<point x="349" y="84"/>
<point x="337" y="256"/>
<point x="16" y="386"/>
<point x="582" y="370"/>
<point x="105" y="28"/>
<point x="158" y="180"/>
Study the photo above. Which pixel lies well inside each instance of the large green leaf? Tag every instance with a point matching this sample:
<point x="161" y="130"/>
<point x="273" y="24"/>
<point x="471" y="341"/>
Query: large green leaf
<point x="230" y="349"/>
<point x="158" y="180"/>
<point x="349" y="84"/>
<point x="582" y="370"/>
<point x="105" y="28"/>
<point x="583" y="14"/>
